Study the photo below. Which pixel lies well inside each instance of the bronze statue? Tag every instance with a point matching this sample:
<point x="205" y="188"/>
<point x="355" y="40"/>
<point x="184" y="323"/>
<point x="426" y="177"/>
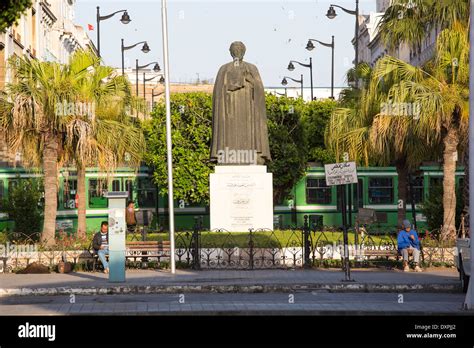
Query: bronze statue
<point x="239" y="121"/>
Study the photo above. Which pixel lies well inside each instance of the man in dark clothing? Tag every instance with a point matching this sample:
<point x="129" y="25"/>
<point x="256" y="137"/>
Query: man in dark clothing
<point x="100" y="243"/>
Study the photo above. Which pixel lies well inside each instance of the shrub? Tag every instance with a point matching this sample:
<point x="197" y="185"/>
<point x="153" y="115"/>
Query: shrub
<point x="23" y="207"/>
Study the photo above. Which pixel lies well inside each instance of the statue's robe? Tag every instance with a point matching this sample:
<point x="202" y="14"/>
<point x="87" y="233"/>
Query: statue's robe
<point x="239" y="120"/>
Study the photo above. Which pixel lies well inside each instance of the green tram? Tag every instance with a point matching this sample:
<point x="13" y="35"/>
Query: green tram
<point x="376" y="189"/>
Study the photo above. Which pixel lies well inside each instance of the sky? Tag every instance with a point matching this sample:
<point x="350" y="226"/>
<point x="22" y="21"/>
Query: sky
<point x="200" y="33"/>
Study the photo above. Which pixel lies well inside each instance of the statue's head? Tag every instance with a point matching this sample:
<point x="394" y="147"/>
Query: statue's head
<point x="237" y="50"/>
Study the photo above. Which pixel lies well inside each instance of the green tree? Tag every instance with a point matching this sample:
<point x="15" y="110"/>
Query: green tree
<point x="191" y="117"/>
<point x="23" y="206"/>
<point x="315" y="119"/>
<point x="11" y="11"/>
<point x="288" y="143"/>
<point x="432" y="208"/>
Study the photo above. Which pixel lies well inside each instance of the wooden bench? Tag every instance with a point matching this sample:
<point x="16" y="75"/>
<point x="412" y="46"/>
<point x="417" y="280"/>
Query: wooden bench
<point x="144" y="250"/>
<point x="380" y="253"/>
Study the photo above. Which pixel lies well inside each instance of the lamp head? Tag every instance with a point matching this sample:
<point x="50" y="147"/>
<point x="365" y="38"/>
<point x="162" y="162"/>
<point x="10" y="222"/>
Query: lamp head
<point x="310" y="45"/>
<point x="145" y="48"/>
<point x="284" y="82"/>
<point x="291" y="67"/>
<point x="156" y="68"/>
<point x="125" y="18"/>
<point x="331" y="13"/>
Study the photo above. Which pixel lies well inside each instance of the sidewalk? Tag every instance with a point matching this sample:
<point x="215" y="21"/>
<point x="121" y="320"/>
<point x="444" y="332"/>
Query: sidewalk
<point x="230" y="281"/>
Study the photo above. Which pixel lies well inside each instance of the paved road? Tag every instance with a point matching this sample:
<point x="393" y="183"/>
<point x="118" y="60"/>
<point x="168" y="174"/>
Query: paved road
<point x="211" y="304"/>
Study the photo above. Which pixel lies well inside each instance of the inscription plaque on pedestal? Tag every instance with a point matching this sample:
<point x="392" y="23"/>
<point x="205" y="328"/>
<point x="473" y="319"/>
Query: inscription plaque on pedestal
<point x="241" y="198"/>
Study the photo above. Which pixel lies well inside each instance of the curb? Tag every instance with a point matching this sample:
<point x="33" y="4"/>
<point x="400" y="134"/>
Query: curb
<point x="287" y="288"/>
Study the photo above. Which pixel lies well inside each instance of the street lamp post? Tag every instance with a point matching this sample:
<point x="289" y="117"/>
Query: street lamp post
<point x="291" y="67"/>
<point x="284" y="82"/>
<point x="169" y="155"/>
<point x="153" y="95"/>
<point x="282" y="94"/>
<point x="331" y="14"/>
<point x="123" y="48"/>
<point x="145" y="80"/>
<point x="125" y="20"/>
<point x="469" y="301"/>
<point x="156" y="68"/>
<point x="310" y="47"/>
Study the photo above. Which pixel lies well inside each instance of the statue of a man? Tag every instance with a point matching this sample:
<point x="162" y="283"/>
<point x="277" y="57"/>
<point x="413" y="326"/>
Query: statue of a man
<point x="239" y="121"/>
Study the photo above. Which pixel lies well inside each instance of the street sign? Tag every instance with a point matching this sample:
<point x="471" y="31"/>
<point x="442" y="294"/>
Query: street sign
<point x="340" y="173"/>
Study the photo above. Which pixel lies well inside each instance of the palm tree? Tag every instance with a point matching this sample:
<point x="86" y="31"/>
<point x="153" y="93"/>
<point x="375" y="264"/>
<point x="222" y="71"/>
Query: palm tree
<point x="409" y="21"/>
<point x="32" y="117"/>
<point x="441" y="91"/>
<point x="372" y="137"/>
<point x="105" y="136"/>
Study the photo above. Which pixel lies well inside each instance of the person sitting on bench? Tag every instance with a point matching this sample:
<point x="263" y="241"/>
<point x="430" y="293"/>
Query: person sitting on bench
<point x="408" y="243"/>
<point x="130" y="217"/>
<point x="100" y="243"/>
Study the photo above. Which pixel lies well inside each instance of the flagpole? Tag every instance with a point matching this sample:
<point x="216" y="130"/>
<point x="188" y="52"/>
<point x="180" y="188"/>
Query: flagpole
<point x="164" y="18"/>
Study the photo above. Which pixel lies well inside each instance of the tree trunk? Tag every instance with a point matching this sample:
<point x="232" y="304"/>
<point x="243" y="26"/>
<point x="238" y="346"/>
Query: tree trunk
<point x="451" y="141"/>
<point x="402" y="172"/>
<point x="50" y="168"/>
<point x="81" y="209"/>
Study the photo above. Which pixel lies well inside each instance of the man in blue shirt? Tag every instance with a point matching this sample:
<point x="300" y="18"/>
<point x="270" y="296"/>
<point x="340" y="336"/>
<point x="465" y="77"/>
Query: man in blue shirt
<point x="408" y="243"/>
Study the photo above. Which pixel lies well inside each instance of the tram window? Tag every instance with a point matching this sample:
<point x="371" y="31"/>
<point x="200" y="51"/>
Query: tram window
<point x="317" y="191"/>
<point x="12" y="184"/>
<point x="358" y="194"/>
<point x="146" y="193"/>
<point x="1" y="192"/>
<point x="380" y="190"/>
<point x="460" y="185"/>
<point x="69" y="194"/>
<point x="116" y="185"/>
<point x="417" y="190"/>
<point x="436" y="181"/>
<point x="96" y="191"/>
<point x="129" y="188"/>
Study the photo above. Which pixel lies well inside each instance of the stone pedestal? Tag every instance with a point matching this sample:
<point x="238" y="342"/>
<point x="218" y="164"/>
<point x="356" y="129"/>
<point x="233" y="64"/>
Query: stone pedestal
<point x="241" y="198"/>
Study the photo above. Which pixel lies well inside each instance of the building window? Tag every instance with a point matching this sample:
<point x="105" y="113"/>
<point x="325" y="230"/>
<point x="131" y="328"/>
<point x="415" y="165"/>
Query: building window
<point x="380" y="190"/>
<point x="418" y="190"/>
<point x="317" y="191"/>
<point x="146" y="193"/>
<point x="97" y="188"/>
<point x="69" y="194"/>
